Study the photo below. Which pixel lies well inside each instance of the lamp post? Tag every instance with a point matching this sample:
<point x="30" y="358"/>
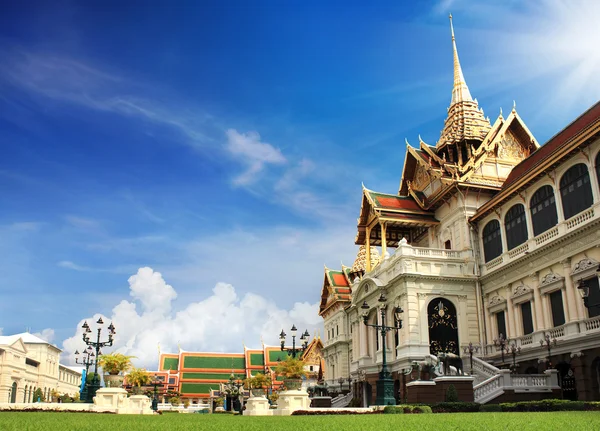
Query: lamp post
<point x="470" y="349"/>
<point x="501" y="343"/>
<point x="385" y="384"/>
<point x="350" y="388"/>
<point x="87" y="358"/>
<point x="93" y="387"/>
<point x="155" y="382"/>
<point x="548" y="343"/>
<point x="514" y="351"/>
<point x="294" y="351"/>
<point x="341" y="381"/>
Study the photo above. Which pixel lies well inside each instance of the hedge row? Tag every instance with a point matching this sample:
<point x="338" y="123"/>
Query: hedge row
<point x="524" y="406"/>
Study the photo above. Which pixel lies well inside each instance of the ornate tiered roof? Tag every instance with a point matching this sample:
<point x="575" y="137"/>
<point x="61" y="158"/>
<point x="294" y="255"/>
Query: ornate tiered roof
<point x="465" y="120"/>
<point x="361" y="259"/>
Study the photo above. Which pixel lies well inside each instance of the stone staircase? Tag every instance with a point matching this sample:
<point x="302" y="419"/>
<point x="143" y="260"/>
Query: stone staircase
<point x="341" y="400"/>
<point x="491" y="382"/>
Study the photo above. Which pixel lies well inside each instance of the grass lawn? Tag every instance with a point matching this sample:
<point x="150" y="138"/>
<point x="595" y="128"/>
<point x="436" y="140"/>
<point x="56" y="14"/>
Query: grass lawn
<point x="38" y="421"/>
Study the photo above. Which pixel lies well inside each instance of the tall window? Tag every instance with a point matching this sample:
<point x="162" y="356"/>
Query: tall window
<point x="492" y="240"/>
<point x="594" y="297"/>
<point x="543" y="210"/>
<point x="516" y="226"/>
<point x="575" y="190"/>
<point x="598" y="167"/>
<point x="527" y="318"/>
<point x="558" y="311"/>
<point x="501" y="323"/>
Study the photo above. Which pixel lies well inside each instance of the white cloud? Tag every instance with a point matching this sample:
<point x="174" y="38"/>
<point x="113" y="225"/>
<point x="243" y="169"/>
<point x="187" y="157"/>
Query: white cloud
<point x="220" y="322"/>
<point x="46" y="335"/>
<point x="251" y="151"/>
<point x="83" y="223"/>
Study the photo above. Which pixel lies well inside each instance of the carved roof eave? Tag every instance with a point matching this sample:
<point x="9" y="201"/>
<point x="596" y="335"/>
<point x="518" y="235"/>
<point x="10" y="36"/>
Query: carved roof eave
<point x="430" y="150"/>
<point x="403" y="189"/>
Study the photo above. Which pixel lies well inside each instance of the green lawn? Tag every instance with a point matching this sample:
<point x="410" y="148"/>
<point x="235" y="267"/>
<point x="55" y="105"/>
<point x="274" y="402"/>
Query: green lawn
<point x="563" y="421"/>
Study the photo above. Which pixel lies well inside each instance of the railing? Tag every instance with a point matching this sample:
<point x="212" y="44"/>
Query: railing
<point x="592" y="323"/>
<point x="533" y="380"/>
<point x="488" y="390"/>
<point x="494" y="262"/>
<point x="484" y="368"/>
<point x="526" y="340"/>
<point x="548" y="235"/>
<point x="580" y="218"/>
<point x="437" y="252"/>
<point x="518" y="250"/>
<point x="341" y="400"/>
<point x="557" y="332"/>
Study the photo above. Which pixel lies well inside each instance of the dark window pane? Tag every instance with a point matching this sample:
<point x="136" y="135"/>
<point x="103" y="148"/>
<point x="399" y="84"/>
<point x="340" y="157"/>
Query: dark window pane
<point x="501" y="321"/>
<point x="492" y="240"/>
<point x="575" y="190"/>
<point x="594" y="297"/>
<point x="527" y="318"/>
<point x="516" y="226"/>
<point x="558" y="311"/>
<point x="543" y="210"/>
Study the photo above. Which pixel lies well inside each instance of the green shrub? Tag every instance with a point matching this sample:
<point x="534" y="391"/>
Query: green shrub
<point x="393" y="410"/>
<point x="489" y="408"/>
<point x="406" y="408"/>
<point x="543" y="406"/>
<point x="458" y="407"/>
<point x="592" y="405"/>
<point x="451" y="394"/>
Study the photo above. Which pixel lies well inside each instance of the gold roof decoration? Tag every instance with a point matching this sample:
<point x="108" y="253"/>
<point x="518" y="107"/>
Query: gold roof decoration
<point x="465" y="120"/>
<point x="361" y="259"/>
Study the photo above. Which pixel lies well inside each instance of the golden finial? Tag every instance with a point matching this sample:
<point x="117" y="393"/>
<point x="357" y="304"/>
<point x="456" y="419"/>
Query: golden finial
<point x="460" y="92"/>
<point x="501" y="112"/>
<point x="451" y="27"/>
<point x="514" y="105"/>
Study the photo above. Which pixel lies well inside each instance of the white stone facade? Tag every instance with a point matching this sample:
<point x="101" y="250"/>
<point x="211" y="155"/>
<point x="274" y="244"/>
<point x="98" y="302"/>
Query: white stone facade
<point x="28" y="363"/>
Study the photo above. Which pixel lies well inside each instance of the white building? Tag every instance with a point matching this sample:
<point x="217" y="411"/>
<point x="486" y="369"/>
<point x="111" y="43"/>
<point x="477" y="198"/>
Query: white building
<point x="492" y="235"/>
<point x="27" y="363"/>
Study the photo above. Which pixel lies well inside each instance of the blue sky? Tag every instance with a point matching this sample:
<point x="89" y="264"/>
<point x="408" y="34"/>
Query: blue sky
<point x="223" y="145"/>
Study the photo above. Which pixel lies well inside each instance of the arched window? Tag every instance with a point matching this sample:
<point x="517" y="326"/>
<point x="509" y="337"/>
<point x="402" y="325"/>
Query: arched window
<point x="575" y="190"/>
<point x="598" y="167"/>
<point x="543" y="210"/>
<point x="492" y="240"/>
<point x="516" y="226"/>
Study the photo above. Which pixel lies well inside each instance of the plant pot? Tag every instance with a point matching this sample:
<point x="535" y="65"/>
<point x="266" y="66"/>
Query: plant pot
<point x="113" y="381"/>
<point x="292" y="384"/>
<point x="258" y="392"/>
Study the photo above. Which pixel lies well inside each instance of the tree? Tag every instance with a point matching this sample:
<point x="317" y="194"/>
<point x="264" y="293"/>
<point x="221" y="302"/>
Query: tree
<point x="139" y="377"/>
<point x="39" y="395"/>
<point x="451" y="394"/>
<point x="291" y="368"/>
<point x="115" y="363"/>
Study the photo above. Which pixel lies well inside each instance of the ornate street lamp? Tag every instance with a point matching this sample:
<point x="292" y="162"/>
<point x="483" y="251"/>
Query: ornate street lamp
<point x="385" y="384"/>
<point x="548" y="342"/>
<point x="341" y="381"/>
<point x="95" y="384"/>
<point x="584" y="291"/>
<point x="304" y="337"/>
<point x="87" y="358"/>
<point x="502" y="344"/>
<point x="514" y="351"/>
<point x="155" y="382"/>
<point x="470" y="349"/>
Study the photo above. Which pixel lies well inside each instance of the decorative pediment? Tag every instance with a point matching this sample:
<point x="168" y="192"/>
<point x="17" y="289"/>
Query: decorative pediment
<point x="496" y="300"/>
<point x="510" y="148"/>
<point x="584" y="265"/>
<point x="550" y="278"/>
<point x="520" y="290"/>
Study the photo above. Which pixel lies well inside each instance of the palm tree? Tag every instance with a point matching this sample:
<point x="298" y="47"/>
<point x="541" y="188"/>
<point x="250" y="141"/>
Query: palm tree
<point x="138" y="377"/>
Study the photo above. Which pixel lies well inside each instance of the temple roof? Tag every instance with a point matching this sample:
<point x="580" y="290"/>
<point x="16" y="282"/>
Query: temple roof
<point x="465" y="120"/>
<point x="336" y="288"/>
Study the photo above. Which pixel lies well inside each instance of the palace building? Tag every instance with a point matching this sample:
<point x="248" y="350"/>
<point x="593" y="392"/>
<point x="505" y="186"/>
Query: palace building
<point x="28" y="363"/>
<point x="198" y="374"/>
<point x="490" y="239"/>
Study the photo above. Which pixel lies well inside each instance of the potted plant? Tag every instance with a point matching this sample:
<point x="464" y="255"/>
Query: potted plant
<point x="113" y="365"/>
<point x="137" y="378"/>
<point x="257" y="384"/>
<point x="292" y="370"/>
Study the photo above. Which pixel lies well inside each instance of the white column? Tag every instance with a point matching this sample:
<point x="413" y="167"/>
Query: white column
<point x="572" y="298"/>
<point x="510" y="310"/>
<point x="364" y="352"/>
<point x="547" y="311"/>
<point x="538" y="321"/>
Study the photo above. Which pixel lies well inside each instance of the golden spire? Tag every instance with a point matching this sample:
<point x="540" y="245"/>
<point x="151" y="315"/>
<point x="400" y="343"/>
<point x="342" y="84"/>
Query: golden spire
<point x="460" y="91"/>
<point x="465" y="121"/>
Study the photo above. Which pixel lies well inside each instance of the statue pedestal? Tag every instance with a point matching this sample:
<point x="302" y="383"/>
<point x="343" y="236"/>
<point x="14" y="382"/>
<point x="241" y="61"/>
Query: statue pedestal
<point x="115" y="400"/>
<point x="462" y="384"/>
<point x="257" y="406"/>
<point x="321" y="402"/>
<point x="290" y="401"/>
<point x="111" y="399"/>
<point x="421" y="391"/>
